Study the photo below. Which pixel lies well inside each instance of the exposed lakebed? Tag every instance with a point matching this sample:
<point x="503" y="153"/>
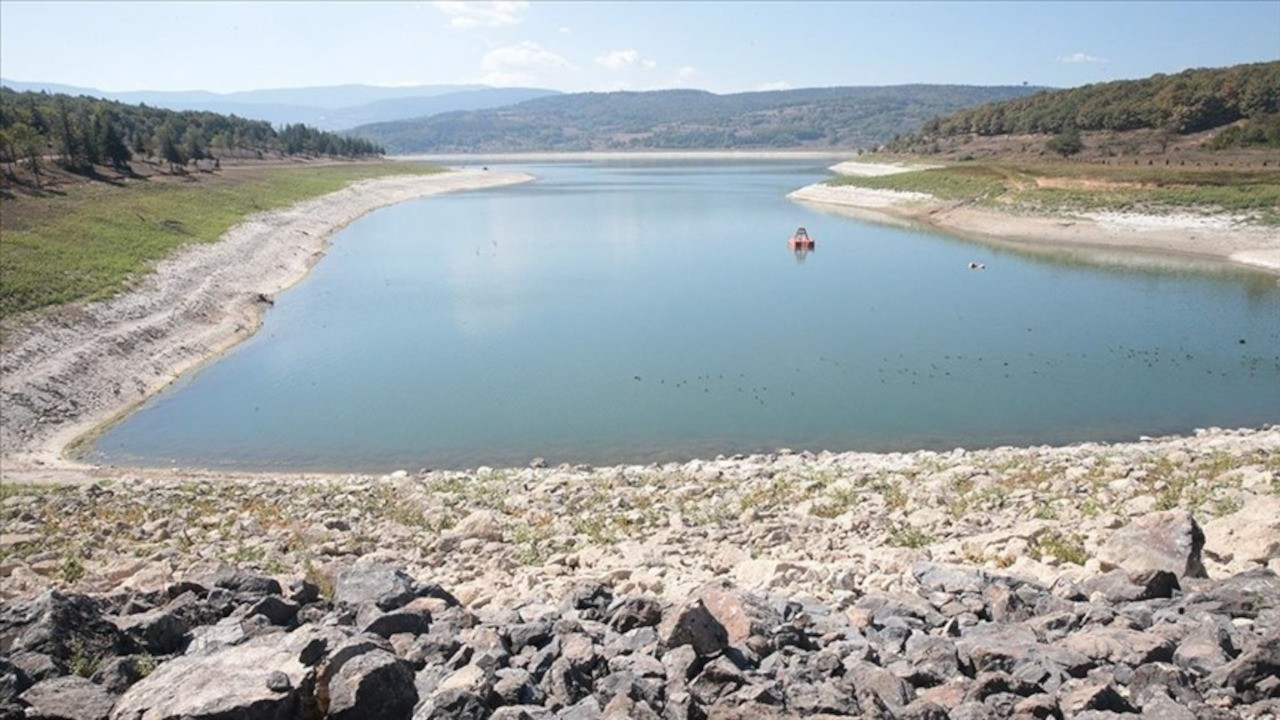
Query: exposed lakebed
<point x="637" y="311"/>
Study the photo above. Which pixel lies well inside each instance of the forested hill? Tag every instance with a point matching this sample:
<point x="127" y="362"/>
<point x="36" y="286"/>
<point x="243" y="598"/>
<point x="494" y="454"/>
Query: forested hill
<point x="849" y="117"/>
<point x="80" y="132"/>
<point x="1188" y="102"/>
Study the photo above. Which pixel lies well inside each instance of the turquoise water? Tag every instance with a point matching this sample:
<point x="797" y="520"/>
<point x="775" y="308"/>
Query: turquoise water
<point x="630" y="312"/>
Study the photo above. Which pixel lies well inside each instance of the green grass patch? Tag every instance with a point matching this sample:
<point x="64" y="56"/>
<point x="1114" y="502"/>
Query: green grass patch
<point x="92" y="241"/>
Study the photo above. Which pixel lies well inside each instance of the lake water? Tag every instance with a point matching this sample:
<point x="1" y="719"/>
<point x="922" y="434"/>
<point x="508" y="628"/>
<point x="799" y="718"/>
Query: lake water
<point x="631" y="312"/>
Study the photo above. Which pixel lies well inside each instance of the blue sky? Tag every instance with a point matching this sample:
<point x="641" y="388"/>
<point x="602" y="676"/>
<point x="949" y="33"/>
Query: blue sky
<point x="578" y="46"/>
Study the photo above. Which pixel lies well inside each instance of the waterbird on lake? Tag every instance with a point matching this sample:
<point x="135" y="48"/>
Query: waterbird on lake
<point x="976" y="266"/>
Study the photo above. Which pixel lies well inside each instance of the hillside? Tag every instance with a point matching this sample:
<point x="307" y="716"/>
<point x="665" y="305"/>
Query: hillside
<point x="336" y="107"/>
<point x="81" y="134"/>
<point x="848" y="117"/>
<point x="1243" y="99"/>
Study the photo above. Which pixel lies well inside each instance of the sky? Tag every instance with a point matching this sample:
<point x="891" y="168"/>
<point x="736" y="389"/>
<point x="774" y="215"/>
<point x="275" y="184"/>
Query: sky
<point x="602" y="46"/>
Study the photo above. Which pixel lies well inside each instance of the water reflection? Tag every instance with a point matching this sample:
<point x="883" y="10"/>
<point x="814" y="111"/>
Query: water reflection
<point x="660" y="323"/>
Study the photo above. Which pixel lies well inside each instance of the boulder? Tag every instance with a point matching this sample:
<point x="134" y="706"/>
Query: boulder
<point x="59" y="626"/>
<point x="1119" y="585"/>
<point x="745" y="617"/>
<point x="479" y="525"/>
<point x="633" y="612"/>
<point x="69" y="698"/>
<point x="239" y="580"/>
<point x="691" y="623"/>
<point x="1121" y="646"/>
<point x="229" y="681"/>
<point x="158" y="632"/>
<point x="375" y="685"/>
<point x="1169" y="540"/>
<point x="382" y="586"/>
<point x="1248" y="537"/>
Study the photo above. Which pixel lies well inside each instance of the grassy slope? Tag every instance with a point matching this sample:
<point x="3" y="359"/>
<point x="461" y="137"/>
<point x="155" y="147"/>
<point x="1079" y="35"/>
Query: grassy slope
<point x="91" y="241"/>
<point x="1063" y="187"/>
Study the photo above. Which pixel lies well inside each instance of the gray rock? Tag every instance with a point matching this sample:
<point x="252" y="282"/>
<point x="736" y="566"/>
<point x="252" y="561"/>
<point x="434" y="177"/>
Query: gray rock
<point x="372" y="686"/>
<point x="383" y="586"/>
<point x="1205" y="649"/>
<point x="892" y="690"/>
<point x="690" y="623"/>
<point x="746" y="618"/>
<point x="227" y="681"/>
<point x="1169" y="540"/>
<point x="1037" y="707"/>
<point x="407" y="619"/>
<point x="119" y="674"/>
<point x="455" y="704"/>
<point x="12" y="681"/>
<point x="1119" y="586"/>
<point x="632" y="612"/>
<point x="32" y="667"/>
<point x="718" y="679"/>
<point x="276" y="609"/>
<point x="239" y="580"/>
<point x="590" y="601"/>
<point x="69" y="698"/>
<point x="623" y="707"/>
<point x="1078" y="696"/>
<point x="922" y="710"/>
<point x="1120" y="646"/>
<point x="1165" y="708"/>
<point x="522" y="712"/>
<point x="59" y="625"/>
<point x="513" y="686"/>
<point x="681" y="664"/>
<point x="537" y="634"/>
<point x="808" y="699"/>
<point x="1243" y="595"/>
<point x="949" y="578"/>
<point x="586" y="709"/>
<point x="1248" y="673"/>
<point x="159" y="632"/>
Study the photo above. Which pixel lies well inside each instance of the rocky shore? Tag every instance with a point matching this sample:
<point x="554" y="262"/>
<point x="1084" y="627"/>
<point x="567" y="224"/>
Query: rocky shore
<point x="1033" y="582"/>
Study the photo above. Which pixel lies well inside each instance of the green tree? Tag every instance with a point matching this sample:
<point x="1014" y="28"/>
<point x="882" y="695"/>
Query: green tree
<point x="26" y="143"/>
<point x="1066" y="143"/>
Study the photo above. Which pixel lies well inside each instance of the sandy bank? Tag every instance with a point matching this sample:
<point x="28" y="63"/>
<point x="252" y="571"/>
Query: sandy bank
<point x="1221" y="237"/>
<point x="82" y="365"/>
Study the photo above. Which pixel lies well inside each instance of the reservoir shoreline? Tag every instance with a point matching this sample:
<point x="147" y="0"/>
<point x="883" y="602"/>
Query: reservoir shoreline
<point x="1216" y="237"/>
<point x="77" y="369"/>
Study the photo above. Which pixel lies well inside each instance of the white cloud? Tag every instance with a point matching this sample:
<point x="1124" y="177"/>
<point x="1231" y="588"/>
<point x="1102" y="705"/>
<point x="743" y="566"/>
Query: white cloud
<point x="512" y="64"/>
<point x="620" y="59"/>
<point x="566" y="30"/>
<point x="521" y="55"/>
<point x="464" y="15"/>
<point x="1079" y="57"/>
<point x="687" y="73"/>
<point x="780" y="85"/>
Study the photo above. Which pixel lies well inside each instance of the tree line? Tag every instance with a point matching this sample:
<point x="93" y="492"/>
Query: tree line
<point x="80" y="132"/>
<point x="1187" y="102"/>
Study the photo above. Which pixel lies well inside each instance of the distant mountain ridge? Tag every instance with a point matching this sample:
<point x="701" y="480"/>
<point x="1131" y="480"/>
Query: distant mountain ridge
<point x="336" y="107"/>
<point x="835" y="118"/>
